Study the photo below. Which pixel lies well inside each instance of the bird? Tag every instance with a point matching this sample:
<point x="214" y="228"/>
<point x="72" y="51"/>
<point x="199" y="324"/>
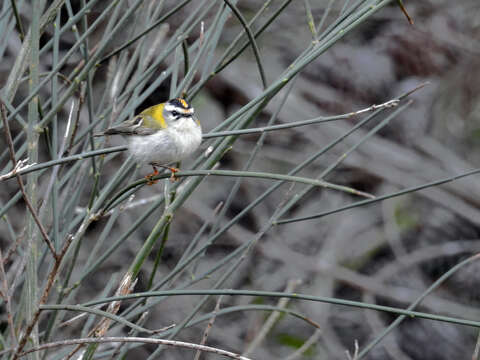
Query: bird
<point x="161" y="135"/>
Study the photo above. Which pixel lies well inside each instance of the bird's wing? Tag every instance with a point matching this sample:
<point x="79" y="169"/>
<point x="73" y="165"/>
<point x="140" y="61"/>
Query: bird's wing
<point x="132" y="126"/>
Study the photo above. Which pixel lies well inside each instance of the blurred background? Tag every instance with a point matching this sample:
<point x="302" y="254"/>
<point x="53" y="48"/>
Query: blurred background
<point x="385" y="253"/>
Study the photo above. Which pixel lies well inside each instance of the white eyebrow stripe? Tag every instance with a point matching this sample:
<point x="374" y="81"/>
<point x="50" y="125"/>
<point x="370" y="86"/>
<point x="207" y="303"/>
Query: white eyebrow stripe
<point x="171" y="108"/>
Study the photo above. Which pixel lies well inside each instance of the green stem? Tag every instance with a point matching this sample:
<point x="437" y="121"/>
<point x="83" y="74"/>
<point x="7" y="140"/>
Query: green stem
<point x="251" y="38"/>
<point x="273" y="294"/>
<point x="381" y="198"/>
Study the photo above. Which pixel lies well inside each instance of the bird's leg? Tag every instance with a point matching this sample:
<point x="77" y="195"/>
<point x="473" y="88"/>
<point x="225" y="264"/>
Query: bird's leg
<point x="149" y="177"/>
<point x="173" y="170"/>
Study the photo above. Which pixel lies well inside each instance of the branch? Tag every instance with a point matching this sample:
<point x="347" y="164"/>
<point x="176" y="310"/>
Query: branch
<point x="8" y="137"/>
<point x="50" y="281"/>
<point x="35" y="167"/>
<point x="137" y="340"/>
<point x="7" y="300"/>
<point x="236" y="174"/>
<point x="209" y="327"/>
<point x="321" y="119"/>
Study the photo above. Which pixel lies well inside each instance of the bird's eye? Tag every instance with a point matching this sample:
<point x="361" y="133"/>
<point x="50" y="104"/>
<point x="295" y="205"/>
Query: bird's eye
<point x="175" y="113"/>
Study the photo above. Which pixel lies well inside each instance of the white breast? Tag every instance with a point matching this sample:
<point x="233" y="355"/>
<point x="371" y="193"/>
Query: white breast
<point x="166" y="146"/>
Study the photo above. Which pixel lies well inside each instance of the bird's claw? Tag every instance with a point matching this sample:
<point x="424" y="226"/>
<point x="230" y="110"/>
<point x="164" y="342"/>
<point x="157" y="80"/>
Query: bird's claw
<point x="173" y="170"/>
<point x="150" y="179"/>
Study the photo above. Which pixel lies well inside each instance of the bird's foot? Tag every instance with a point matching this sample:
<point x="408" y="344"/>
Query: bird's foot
<point x="149" y="177"/>
<point x="173" y="170"/>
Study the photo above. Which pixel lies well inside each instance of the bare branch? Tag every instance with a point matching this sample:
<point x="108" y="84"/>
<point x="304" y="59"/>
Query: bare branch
<point x="137" y="340"/>
<point x="272" y="319"/>
<point x="8" y="300"/>
<point x="51" y="279"/>
<point x="209" y="327"/>
<point x="8" y="137"/>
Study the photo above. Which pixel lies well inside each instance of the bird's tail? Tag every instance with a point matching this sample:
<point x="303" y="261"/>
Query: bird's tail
<point x="114" y="131"/>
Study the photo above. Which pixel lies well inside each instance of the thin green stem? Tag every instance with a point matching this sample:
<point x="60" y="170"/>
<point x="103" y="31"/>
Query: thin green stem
<point x="310" y="20"/>
<point x="146" y="31"/>
<point x="318" y="120"/>
<point x="105" y="314"/>
<point x="417" y="302"/>
<point x="251" y="38"/>
<point x="298" y="296"/>
<point x="381" y="198"/>
<point x="47" y="164"/>
<point x="248" y="174"/>
<point x="21" y="60"/>
<point x="18" y="21"/>
<point x="185" y="57"/>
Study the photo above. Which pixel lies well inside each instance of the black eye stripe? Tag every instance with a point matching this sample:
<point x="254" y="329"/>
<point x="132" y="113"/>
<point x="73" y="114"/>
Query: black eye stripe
<point x="179" y="114"/>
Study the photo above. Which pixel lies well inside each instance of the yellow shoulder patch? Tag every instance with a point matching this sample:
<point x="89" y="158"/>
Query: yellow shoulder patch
<point x="155" y="113"/>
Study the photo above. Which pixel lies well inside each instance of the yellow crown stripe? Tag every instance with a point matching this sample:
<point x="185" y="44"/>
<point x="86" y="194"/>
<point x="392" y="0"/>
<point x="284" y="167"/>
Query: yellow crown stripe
<point x="183" y="102"/>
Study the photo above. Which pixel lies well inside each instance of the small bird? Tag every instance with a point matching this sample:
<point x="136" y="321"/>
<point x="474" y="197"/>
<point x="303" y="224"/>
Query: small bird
<point x="161" y="134"/>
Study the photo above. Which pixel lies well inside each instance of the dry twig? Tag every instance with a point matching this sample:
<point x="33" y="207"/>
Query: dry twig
<point x="8" y="137"/>
<point x="138" y="340"/>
